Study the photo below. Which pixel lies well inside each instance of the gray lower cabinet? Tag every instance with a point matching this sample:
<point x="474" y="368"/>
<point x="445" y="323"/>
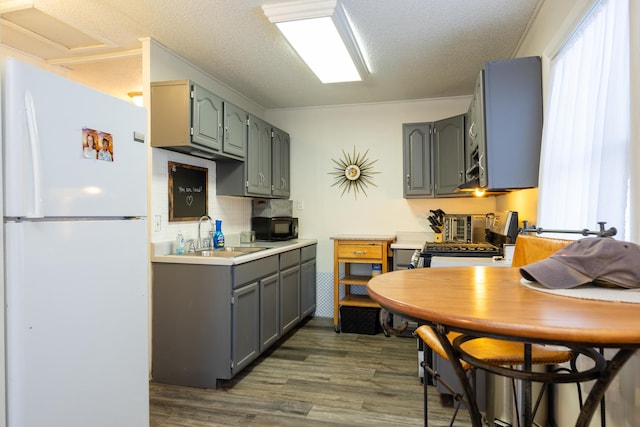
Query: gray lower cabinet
<point x="245" y="326"/>
<point x="269" y="311"/>
<point x="289" y="290"/>
<point x="191" y="324"/>
<point x="308" y="280"/>
<point x="210" y="321"/>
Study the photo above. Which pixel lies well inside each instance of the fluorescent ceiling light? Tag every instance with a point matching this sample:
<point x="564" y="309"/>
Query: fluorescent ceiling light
<point x="320" y="33"/>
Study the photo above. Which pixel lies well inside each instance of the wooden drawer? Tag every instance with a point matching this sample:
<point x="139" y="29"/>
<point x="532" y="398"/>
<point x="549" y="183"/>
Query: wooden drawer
<point x="360" y="252"/>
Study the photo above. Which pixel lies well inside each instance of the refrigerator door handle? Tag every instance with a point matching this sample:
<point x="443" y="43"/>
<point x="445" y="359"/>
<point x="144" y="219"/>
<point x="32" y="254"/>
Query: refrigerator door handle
<point x="36" y="156"/>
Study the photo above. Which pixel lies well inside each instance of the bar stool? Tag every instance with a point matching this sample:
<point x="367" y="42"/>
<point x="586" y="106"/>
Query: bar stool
<point x="492" y="351"/>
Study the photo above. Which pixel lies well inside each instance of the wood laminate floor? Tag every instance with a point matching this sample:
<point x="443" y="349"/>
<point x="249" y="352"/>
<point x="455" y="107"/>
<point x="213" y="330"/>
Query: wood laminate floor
<point x="314" y="377"/>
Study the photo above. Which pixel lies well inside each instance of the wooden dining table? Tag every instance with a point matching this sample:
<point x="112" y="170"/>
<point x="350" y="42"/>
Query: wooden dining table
<point x="493" y="302"/>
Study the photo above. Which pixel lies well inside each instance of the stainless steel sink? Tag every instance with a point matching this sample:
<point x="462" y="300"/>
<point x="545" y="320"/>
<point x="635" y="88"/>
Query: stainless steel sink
<point x="228" y="252"/>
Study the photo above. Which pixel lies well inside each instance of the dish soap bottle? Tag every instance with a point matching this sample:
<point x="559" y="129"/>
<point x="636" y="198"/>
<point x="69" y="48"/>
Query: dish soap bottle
<point x="218" y="237"/>
<point x="179" y="244"/>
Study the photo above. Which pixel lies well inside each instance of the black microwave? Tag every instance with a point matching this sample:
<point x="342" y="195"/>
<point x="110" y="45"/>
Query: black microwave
<point x="276" y="228"/>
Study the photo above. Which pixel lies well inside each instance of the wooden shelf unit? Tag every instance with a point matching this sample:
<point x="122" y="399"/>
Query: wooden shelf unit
<point x="349" y="250"/>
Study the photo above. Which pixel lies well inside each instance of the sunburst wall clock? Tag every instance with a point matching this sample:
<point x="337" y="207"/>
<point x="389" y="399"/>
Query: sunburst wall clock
<point x="353" y="172"/>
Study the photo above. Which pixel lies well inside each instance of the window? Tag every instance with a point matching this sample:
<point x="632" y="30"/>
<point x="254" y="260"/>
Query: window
<point x="585" y="162"/>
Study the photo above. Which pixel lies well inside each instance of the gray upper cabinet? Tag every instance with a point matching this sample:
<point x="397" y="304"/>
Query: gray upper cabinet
<point x="281" y="165"/>
<point x="259" y="158"/>
<point x="505" y="125"/>
<point x="434" y="162"/>
<point x="207" y="118"/>
<point x="417" y="155"/>
<point x="253" y="176"/>
<point x="448" y="155"/>
<point x="266" y="169"/>
<point x="235" y="130"/>
<point x="188" y="118"/>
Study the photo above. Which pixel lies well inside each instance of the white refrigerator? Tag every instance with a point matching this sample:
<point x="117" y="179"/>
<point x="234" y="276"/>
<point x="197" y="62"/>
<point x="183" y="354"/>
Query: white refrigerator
<point x="75" y="253"/>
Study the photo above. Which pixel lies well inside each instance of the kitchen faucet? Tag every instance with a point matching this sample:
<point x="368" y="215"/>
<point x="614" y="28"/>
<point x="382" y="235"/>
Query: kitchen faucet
<point x="199" y="241"/>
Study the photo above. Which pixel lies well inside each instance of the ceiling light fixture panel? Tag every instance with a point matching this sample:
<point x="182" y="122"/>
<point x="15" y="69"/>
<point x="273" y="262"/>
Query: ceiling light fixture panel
<point x="319" y="31"/>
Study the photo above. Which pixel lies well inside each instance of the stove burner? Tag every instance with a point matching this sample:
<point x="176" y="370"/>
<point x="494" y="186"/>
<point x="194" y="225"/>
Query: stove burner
<point x="461" y="249"/>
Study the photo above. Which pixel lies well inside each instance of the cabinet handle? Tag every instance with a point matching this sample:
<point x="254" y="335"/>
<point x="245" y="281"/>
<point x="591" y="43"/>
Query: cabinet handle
<point x="408" y="181"/>
<point x="472" y="132"/>
<point x="359" y="252"/>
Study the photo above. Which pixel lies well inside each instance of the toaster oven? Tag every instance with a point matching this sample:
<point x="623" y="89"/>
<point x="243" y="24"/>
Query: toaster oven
<point x="463" y="228"/>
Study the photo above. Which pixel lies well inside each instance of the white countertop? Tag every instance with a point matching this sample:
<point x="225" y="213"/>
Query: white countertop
<point x="411" y="239"/>
<point x="163" y="252"/>
<point x="379" y="237"/>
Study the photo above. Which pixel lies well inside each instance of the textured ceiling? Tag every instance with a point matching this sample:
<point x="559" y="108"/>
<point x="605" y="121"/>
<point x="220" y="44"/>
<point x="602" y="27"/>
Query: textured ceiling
<point x="415" y="49"/>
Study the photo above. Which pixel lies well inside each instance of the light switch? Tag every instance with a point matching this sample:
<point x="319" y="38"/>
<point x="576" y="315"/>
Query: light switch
<point x="156" y="223"/>
<point x="300" y="205"/>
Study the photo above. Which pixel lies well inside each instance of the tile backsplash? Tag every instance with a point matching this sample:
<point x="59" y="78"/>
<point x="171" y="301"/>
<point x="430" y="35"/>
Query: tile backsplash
<point x="235" y="212"/>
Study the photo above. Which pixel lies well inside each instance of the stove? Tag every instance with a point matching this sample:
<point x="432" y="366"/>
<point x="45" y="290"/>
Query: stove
<point x="502" y="229"/>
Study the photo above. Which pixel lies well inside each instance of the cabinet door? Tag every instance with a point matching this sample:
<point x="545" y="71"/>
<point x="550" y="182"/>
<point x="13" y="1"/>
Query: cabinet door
<point x="235" y="130"/>
<point x="280" y="163"/>
<point x="416" y="146"/>
<point x="206" y="118"/>
<point x="245" y="326"/>
<point x="308" y="288"/>
<point x="448" y="149"/>
<point x="512" y="123"/>
<point x="475" y="163"/>
<point x="289" y="298"/>
<point x="269" y="311"/>
<point x="258" y="161"/>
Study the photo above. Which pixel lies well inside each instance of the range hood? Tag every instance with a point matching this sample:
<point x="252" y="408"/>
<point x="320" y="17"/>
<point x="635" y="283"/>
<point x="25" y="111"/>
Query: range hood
<point x="473" y="186"/>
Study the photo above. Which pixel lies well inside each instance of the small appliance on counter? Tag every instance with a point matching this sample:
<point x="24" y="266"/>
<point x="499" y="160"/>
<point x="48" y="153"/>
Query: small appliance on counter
<point x="273" y="220"/>
<point x="464" y="228"/>
<point x="276" y="228"/>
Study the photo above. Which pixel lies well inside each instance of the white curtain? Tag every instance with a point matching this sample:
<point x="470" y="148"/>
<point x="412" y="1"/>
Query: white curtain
<point x="584" y="170"/>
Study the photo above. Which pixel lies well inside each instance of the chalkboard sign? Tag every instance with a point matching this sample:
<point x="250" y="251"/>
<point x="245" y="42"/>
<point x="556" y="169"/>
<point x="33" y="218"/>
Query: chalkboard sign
<point x="187" y="192"/>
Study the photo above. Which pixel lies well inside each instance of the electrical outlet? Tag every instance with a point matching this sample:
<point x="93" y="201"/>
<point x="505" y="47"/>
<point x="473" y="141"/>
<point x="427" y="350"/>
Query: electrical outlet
<point x="300" y="205"/>
<point x="156" y="223"/>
